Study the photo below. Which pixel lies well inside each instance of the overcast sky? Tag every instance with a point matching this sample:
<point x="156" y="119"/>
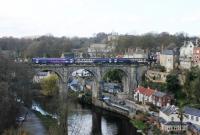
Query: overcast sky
<point x="85" y="17"/>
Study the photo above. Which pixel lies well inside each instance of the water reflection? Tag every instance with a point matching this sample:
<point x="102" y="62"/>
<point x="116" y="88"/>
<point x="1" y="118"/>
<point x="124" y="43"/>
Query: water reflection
<point x="86" y="120"/>
<point x="94" y="121"/>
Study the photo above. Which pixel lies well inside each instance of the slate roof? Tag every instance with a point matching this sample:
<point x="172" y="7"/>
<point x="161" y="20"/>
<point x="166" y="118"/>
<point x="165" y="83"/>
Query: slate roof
<point x="42" y="73"/>
<point x="191" y="111"/>
<point x="168" y="52"/>
<point x="145" y="91"/>
<point x="159" y="94"/>
<point x="194" y="126"/>
<point x="174" y="123"/>
<point x="171" y="109"/>
<point x="161" y="120"/>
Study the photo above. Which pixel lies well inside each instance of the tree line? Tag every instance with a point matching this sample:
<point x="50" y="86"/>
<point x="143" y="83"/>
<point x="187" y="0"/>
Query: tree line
<point x="153" y="41"/>
<point x="50" y="46"/>
<point x="45" y="46"/>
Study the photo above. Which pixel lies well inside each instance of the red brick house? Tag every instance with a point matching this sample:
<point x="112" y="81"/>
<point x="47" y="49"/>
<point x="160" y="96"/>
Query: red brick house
<point x="161" y="99"/>
<point x="196" y="56"/>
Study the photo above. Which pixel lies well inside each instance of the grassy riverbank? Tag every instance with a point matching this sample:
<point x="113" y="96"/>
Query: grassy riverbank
<point x="139" y="124"/>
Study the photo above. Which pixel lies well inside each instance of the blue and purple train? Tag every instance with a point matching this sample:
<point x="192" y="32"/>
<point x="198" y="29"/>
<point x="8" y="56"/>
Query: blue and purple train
<point x="66" y="61"/>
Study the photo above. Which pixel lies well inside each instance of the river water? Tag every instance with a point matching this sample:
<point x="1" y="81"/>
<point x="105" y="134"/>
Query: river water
<point x="89" y="120"/>
<point x="84" y="120"/>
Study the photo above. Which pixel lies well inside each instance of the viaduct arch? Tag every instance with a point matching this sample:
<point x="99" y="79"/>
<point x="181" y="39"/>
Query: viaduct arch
<point x="64" y="72"/>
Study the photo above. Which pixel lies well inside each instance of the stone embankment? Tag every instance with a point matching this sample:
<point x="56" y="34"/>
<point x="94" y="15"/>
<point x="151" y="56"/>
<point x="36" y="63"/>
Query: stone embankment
<point x="114" y="107"/>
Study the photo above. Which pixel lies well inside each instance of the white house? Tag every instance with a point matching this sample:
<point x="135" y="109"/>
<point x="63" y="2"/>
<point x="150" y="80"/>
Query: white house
<point x="169" y="119"/>
<point x="193" y="118"/>
<point x="143" y="94"/>
<point x="37" y="78"/>
<point x="186" y="53"/>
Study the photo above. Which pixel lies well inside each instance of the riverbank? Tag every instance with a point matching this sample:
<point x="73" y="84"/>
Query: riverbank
<point x="88" y="119"/>
<point x="99" y="105"/>
<point x="114" y="108"/>
<point x="47" y="121"/>
<point x="33" y="125"/>
<point x="142" y="121"/>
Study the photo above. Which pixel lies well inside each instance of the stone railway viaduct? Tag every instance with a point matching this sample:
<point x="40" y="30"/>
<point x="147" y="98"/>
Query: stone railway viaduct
<point x="129" y="80"/>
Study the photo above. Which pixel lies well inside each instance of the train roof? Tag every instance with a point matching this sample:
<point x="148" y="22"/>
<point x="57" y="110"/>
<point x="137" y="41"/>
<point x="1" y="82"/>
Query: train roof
<point x="50" y="58"/>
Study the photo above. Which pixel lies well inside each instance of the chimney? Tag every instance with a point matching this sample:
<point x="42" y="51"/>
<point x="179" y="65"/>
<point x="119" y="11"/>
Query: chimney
<point x="162" y="48"/>
<point x="197" y="42"/>
<point x="184" y="43"/>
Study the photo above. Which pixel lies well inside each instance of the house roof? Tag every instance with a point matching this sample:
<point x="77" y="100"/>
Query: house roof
<point x="145" y="91"/>
<point x="42" y="73"/>
<point x="159" y="94"/>
<point x="161" y="120"/>
<point x="171" y="109"/>
<point x="168" y="52"/>
<point x="97" y="46"/>
<point x="175" y="123"/>
<point x="192" y="111"/>
<point x="195" y="126"/>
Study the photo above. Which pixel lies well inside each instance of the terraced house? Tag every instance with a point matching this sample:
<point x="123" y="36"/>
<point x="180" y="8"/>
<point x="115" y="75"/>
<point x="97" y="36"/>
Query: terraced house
<point x="193" y="118"/>
<point x="155" y="97"/>
<point x="169" y="120"/>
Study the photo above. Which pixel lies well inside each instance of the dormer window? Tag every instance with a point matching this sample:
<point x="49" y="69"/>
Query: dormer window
<point x="192" y="117"/>
<point x="172" y="118"/>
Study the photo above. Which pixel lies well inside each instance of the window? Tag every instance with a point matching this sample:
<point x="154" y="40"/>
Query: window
<point x="172" y="118"/>
<point x="197" y="118"/>
<point x="192" y="117"/>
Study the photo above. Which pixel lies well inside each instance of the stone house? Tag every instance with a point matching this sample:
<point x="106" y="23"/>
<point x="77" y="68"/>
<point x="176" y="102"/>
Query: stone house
<point x="161" y="99"/>
<point x="167" y="59"/>
<point x="169" y="119"/>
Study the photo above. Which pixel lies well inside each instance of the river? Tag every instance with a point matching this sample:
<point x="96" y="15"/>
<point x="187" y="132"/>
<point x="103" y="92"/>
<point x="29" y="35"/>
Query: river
<point x="88" y="120"/>
<point x="84" y="120"/>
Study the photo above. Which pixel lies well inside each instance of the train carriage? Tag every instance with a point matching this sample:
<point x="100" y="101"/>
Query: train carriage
<point x="59" y="61"/>
<point x="122" y="60"/>
<point x="102" y="60"/>
<point x="66" y="61"/>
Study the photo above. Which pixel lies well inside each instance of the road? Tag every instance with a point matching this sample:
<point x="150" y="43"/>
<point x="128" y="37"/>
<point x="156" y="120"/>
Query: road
<point x="33" y="125"/>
